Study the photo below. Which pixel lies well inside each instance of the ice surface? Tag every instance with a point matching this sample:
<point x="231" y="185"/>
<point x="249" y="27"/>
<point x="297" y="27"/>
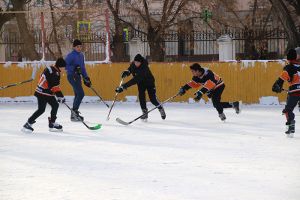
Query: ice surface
<point x="191" y="155"/>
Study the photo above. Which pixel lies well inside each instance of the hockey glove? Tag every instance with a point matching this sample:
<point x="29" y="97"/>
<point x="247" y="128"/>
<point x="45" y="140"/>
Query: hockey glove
<point x="181" y="91"/>
<point x="78" y="70"/>
<point x="198" y="95"/>
<point x="61" y="99"/>
<point x="276" y="87"/>
<point x="125" y="74"/>
<point x="119" y="89"/>
<point x="87" y="82"/>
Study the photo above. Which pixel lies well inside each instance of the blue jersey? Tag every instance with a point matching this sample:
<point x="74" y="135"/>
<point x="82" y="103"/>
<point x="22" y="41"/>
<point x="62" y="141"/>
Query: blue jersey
<point x="73" y="60"/>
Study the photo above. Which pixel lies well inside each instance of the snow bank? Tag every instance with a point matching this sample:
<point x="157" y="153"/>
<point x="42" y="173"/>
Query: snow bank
<point x="269" y="100"/>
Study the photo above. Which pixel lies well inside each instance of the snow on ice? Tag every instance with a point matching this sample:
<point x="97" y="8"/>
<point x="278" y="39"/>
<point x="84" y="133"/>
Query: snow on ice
<point x="191" y="155"/>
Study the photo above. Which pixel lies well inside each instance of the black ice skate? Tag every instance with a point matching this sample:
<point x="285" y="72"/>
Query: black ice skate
<point x="75" y="117"/>
<point x="236" y="106"/>
<point x="222" y="117"/>
<point x="54" y="127"/>
<point x="290" y="129"/>
<point x="162" y="113"/>
<point x="144" y="118"/>
<point x="27" y="128"/>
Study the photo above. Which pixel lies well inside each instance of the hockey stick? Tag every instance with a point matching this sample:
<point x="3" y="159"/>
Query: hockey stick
<point x="99" y="96"/>
<point x="127" y="123"/>
<point x="98" y="126"/>
<point x="107" y="118"/>
<point x="21" y="82"/>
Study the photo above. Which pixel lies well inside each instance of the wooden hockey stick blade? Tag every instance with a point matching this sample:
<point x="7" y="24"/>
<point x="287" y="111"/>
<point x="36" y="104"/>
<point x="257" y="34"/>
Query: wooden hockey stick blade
<point x="122" y="122"/>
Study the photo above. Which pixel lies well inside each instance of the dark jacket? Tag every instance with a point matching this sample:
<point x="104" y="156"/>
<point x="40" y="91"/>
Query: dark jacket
<point x="49" y="82"/>
<point x="141" y="75"/>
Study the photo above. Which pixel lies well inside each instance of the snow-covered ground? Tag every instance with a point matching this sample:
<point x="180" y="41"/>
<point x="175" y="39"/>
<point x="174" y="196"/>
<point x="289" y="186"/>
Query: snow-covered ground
<point x="191" y="155"/>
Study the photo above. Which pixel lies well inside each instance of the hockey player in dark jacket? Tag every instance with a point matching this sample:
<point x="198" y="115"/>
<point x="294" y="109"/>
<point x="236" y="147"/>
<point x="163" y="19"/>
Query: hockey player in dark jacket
<point x="212" y="85"/>
<point x="46" y="90"/>
<point x="290" y="74"/>
<point x="144" y="79"/>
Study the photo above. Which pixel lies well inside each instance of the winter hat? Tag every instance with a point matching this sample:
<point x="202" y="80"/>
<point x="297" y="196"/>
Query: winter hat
<point x="76" y="42"/>
<point x="298" y="50"/>
<point x="60" y="62"/>
<point x="138" y="58"/>
<point x="291" y="55"/>
<point x="196" y="67"/>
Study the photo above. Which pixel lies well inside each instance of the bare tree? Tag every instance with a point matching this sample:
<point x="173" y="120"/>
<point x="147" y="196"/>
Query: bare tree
<point x="282" y="12"/>
<point x="117" y="42"/>
<point x="154" y="26"/>
<point x="5" y="17"/>
<point x="28" y="48"/>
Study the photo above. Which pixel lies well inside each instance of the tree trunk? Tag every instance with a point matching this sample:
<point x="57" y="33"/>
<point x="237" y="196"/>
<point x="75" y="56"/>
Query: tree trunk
<point x="118" y="43"/>
<point x="156" y="46"/>
<point x="289" y="25"/>
<point x="5" y="18"/>
<point x="54" y="30"/>
<point x="28" y="49"/>
<point x="80" y="7"/>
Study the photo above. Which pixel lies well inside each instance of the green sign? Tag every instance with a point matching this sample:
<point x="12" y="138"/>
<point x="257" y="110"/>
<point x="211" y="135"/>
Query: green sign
<point x="206" y="15"/>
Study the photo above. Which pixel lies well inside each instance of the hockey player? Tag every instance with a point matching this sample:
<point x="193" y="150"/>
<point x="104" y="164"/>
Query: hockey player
<point x="46" y="90"/>
<point x="213" y="86"/>
<point x="144" y="79"/>
<point x="298" y="54"/>
<point x="75" y="68"/>
<point x="297" y="64"/>
<point x="290" y="74"/>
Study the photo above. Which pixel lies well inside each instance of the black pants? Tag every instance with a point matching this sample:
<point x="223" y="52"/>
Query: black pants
<point x="216" y="96"/>
<point x="291" y="103"/>
<point x="42" y="102"/>
<point x="152" y="95"/>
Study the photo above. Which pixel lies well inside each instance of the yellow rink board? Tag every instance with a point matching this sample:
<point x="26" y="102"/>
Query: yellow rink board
<point x="246" y="81"/>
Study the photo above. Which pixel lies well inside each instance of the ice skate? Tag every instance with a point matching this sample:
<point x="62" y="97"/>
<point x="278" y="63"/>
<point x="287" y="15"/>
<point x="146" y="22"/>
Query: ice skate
<point x="290" y="129"/>
<point x="222" y="117"/>
<point x="237" y="106"/>
<point x="54" y="127"/>
<point x="27" y="128"/>
<point x="162" y="113"/>
<point x="75" y="117"/>
<point x="144" y="118"/>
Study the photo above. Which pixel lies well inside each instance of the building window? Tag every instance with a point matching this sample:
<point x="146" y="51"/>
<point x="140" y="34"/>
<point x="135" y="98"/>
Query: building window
<point x="97" y="1"/>
<point x="39" y="3"/>
<point x="68" y="2"/>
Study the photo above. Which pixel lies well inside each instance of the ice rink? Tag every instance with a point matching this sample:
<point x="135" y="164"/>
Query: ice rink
<point x="191" y="155"/>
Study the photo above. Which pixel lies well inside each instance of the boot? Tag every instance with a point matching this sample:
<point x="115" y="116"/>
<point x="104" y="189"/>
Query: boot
<point x="222" y="117"/>
<point x="145" y="116"/>
<point x="290" y="129"/>
<point x="27" y="128"/>
<point x="236" y="106"/>
<point x="54" y="127"/>
<point x="75" y="117"/>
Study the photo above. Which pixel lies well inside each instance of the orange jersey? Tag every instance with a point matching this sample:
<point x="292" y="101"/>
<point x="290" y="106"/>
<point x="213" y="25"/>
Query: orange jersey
<point x="209" y="81"/>
<point x="49" y="82"/>
<point x="291" y="74"/>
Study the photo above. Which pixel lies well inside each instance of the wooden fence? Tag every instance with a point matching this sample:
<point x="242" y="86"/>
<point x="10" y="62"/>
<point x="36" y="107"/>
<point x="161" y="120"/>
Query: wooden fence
<point x="246" y="81"/>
